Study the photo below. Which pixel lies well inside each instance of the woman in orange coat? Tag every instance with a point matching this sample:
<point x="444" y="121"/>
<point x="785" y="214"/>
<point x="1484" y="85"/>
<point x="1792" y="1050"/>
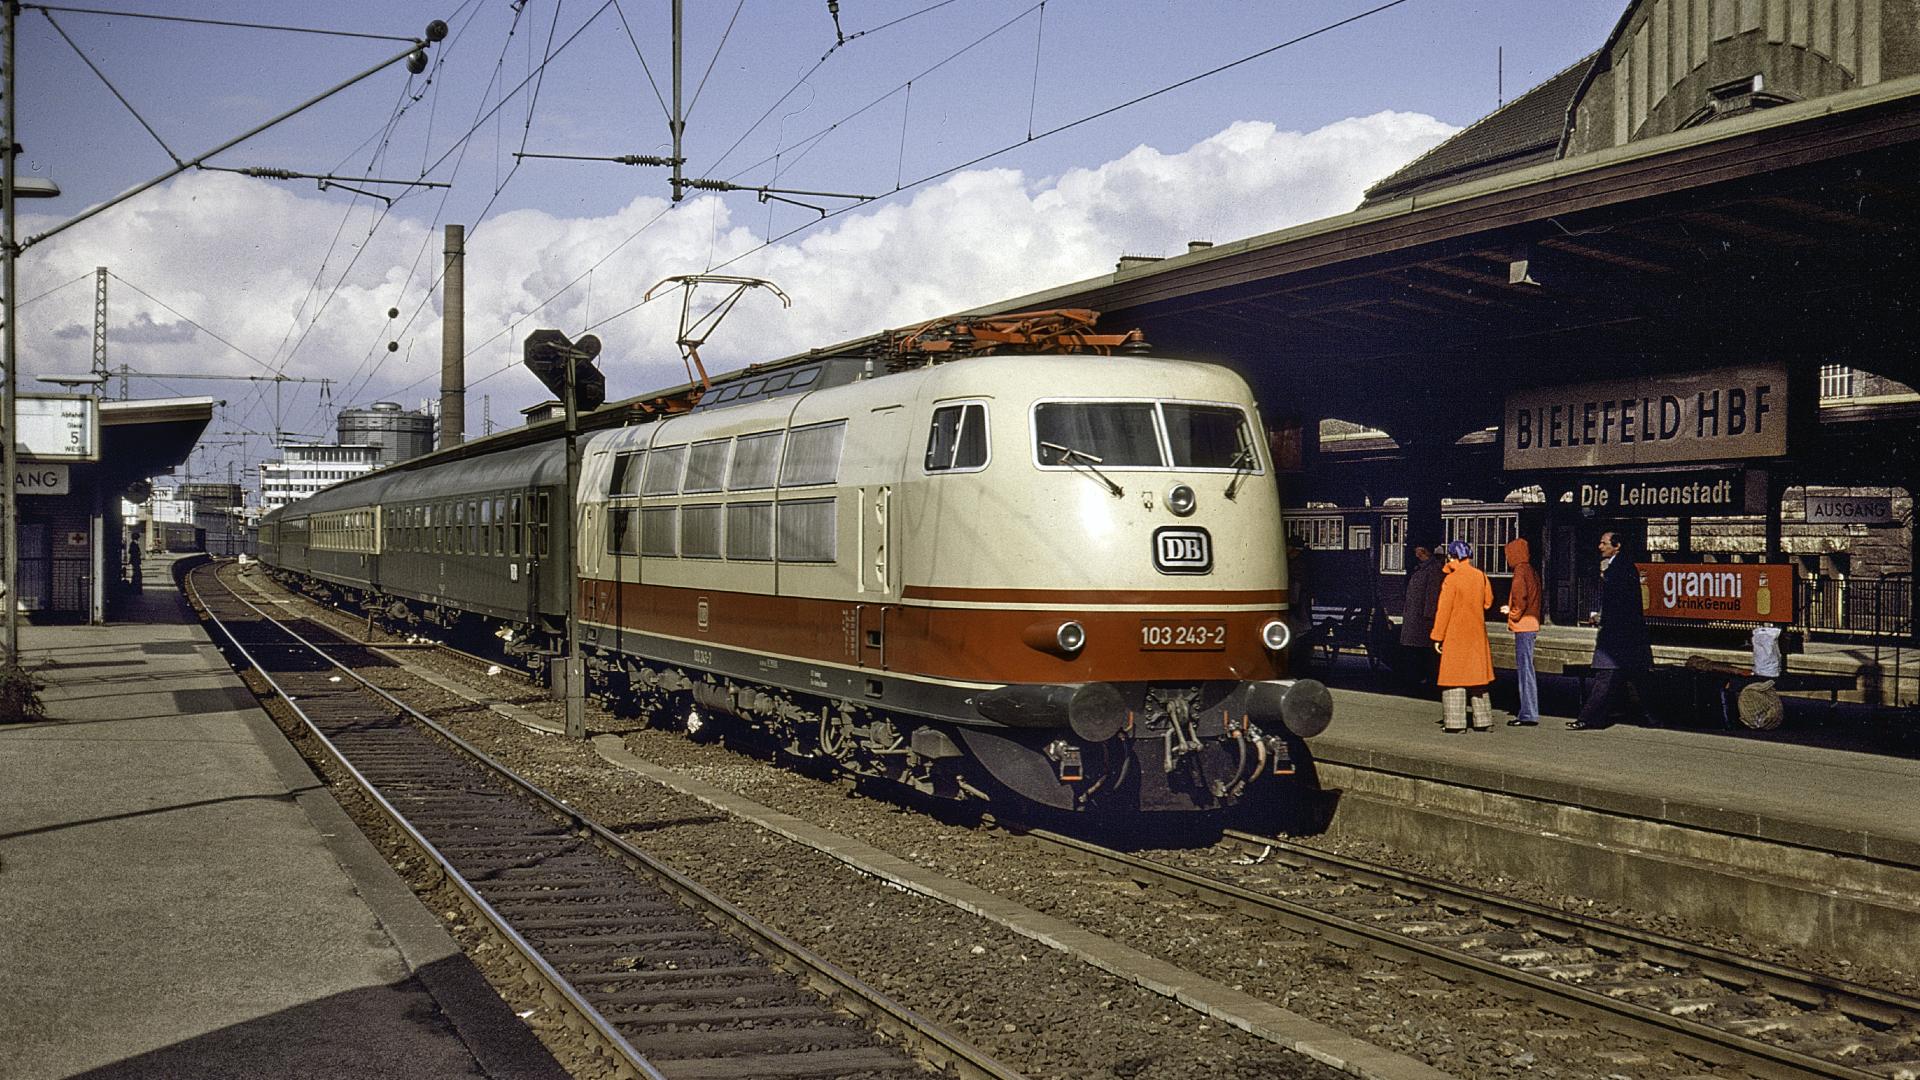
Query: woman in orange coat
<point x="1460" y="637"/>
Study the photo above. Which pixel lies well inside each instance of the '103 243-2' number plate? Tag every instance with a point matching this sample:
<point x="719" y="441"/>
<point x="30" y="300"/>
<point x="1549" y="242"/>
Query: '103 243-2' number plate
<point x="1156" y="634"/>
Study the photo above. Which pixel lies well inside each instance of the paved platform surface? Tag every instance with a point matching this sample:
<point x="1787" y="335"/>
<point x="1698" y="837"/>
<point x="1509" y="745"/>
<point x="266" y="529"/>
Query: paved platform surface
<point x="183" y="898"/>
<point x="1852" y="795"/>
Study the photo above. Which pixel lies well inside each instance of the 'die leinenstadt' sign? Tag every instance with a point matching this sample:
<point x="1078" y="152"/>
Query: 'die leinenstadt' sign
<point x="1729" y="413"/>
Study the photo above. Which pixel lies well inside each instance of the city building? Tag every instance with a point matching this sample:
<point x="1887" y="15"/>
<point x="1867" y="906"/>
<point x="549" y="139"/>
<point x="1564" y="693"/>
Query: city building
<point x="303" y="470"/>
<point x="396" y="433"/>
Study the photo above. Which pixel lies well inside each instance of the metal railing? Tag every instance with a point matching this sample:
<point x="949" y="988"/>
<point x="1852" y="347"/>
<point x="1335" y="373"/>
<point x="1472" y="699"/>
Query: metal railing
<point x="1856" y="608"/>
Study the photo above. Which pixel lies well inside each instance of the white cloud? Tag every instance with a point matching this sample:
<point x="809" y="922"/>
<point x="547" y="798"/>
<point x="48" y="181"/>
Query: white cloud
<point x="240" y="256"/>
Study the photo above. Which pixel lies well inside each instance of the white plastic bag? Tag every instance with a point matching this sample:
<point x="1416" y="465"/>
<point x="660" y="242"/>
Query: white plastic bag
<point x="1766" y="651"/>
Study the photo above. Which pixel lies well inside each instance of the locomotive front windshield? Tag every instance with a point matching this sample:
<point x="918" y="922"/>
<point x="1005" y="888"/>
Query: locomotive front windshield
<point x="1142" y="434"/>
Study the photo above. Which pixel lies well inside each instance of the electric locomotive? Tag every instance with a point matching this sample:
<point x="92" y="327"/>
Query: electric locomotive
<point x="1058" y="577"/>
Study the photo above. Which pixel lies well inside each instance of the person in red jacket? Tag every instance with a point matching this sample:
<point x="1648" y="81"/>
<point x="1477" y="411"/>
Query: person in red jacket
<point x="1460" y="637"/>
<point x="1522" y="610"/>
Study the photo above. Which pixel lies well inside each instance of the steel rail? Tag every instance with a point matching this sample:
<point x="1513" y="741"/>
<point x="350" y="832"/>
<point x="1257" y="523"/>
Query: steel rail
<point x="1866" y="1003"/>
<point x="628" y="1062"/>
<point x="933" y="1043"/>
<point x="1691" y="1037"/>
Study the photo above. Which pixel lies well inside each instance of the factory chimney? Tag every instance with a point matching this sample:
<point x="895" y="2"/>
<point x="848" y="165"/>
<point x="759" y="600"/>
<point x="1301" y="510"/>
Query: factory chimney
<point x="453" y="342"/>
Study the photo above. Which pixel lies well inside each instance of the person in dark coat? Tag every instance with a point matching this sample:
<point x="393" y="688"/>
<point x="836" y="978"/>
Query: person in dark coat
<point x="1622" y="650"/>
<point x="1416" y="624"/>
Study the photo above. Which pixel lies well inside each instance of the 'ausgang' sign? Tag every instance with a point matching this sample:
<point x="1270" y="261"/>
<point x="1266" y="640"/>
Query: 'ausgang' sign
<point x="1718" y="415"/>
<point x="1736" y="592"/>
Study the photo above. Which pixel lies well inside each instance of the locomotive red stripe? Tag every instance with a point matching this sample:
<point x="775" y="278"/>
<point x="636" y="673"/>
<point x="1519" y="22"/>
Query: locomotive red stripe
<point x="960" y="644"/>
<point x="1131" y="597"/>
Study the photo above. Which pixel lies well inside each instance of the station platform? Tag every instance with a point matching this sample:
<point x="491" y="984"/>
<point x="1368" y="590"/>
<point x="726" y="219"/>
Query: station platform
<point x="184" y="898"/>
<point x="1806" y="834"/>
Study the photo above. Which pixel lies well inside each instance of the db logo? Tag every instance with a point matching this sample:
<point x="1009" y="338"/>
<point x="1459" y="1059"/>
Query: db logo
<point x="1182" y="551"/>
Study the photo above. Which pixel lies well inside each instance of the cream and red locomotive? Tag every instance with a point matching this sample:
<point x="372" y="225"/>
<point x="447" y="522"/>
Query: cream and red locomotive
<point x="1057" y="576"/>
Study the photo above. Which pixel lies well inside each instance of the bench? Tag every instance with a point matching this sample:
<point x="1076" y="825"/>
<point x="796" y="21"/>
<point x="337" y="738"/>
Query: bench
<point x="1336" y="629"/>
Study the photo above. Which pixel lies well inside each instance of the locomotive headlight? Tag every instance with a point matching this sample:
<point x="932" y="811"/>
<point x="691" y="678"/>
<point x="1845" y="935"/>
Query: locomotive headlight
<point x="1180" y="500"/>
<point x="1062" y="639"/>
<point x="1276" y="634"/>
<point x="1071" y="637"/>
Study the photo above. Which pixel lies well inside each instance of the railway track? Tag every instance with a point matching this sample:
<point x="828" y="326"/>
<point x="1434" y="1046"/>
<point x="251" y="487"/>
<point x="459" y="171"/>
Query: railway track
<point x="666" y="979"/>
<point x="1706" y="1003"/>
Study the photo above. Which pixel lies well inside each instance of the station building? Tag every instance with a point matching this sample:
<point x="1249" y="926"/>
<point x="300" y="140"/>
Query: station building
<point x="80" y="457"/>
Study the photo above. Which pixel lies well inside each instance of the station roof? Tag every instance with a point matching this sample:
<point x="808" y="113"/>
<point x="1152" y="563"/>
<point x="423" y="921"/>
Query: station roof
<point x="1785" y="232"/>
<point x="141" y="439"/>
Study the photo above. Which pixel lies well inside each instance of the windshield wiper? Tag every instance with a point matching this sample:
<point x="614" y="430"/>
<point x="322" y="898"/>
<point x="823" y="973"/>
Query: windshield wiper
<point x="1068" y="453"/>
<point x="1242" y="468"/>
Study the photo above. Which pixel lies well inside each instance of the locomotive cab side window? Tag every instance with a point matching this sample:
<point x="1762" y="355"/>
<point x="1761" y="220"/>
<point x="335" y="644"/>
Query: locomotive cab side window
<point x="706" y="465"/>
<point x="1116" y="434"/>
<point x="1144" y="435"/>
<point x="957" y="441"/>
<point x="1208" y="436"/>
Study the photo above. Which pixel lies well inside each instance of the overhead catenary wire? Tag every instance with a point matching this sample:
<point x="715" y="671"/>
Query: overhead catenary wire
<point x="231" y="23"/>
<point x="102" y="76"/>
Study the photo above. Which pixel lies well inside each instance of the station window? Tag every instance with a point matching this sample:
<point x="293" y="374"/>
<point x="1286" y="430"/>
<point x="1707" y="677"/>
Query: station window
<point x="807" y="531"/>
<point x="957" y="440"/>
<point x="813" y="455"/>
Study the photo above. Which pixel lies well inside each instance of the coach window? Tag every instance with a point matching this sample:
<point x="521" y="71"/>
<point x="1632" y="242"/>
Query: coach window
<point x="957" y="441"/>
<point x="706" y="466"/>
<point x="806" y="531"/>
<point x="756" y="460"/>
<point x="750" y="531"/>
<point x="1114" y="434"/>
<point x="700" y="531"/>
<point x="663" y="471"/>
<point x="623" y="536"/>
<point x="625" y="479"/>
<point x="499" y="525"/>
<point x="513" y="524"/>
<point x="485" y="546"/>
<point x="658" y="524"/>
<point x="813" y="455"/>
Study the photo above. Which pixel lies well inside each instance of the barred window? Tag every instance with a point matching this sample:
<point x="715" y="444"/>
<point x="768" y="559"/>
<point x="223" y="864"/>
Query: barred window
<point x="1321" y="533"/>
<point x="750" y="531"/>
<point x="657" y="527"/>
<point x="700" y="531"/>
<point x="1393" y="544"/>
<point x="807" y="531"/>
<point x="756" y="458"/>
<point x="958" y="439"/>
<point x="626" y="473"/>
<point x="663" y="471"/>
<point x="1836" y="381"/>
<point x="813" y="455"/>
<point x="706" y="466"/>
<point x="623" y="537"/>
<point x="1488" y="533"/>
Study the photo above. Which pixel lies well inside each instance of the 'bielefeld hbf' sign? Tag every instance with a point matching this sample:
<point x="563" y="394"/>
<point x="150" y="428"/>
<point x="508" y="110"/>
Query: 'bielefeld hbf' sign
<point x="1721" y="415"/>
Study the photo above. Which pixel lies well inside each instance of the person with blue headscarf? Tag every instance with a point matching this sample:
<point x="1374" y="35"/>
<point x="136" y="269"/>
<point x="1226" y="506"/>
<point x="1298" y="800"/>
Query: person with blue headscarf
<point x="1460" y="637"/>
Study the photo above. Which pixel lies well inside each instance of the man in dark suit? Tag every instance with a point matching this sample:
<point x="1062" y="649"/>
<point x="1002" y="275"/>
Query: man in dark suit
<point x="1622" y="651"/>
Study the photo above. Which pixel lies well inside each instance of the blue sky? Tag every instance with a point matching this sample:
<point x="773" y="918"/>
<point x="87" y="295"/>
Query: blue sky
<point x="299" y="280"/>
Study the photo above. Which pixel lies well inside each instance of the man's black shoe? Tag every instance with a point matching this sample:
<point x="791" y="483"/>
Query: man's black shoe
<point x="1523" y="723"/>
<point x="1575" y="725"/>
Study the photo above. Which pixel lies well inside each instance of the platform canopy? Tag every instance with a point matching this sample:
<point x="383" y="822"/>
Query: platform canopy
<point x="143" y="439"/>
<point x="1785" y="234"/>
